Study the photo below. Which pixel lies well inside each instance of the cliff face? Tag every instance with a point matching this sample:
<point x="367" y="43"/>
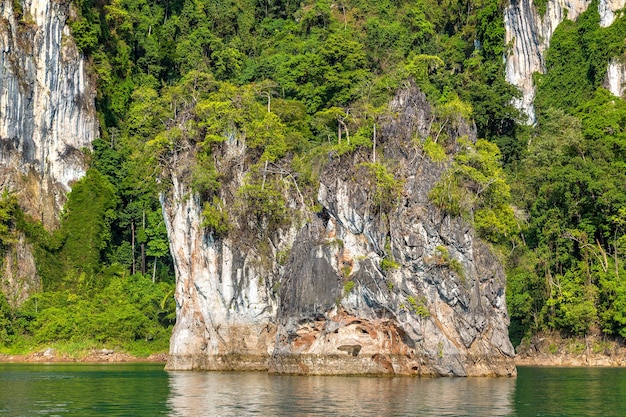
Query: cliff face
<point x="47" y="112"/>
<point x="47" y="117"/>
<point x="528" y="34"/>
<point x="224" y="308"/>
<point x="615" y="80"/>
<point x="333" y="306"/>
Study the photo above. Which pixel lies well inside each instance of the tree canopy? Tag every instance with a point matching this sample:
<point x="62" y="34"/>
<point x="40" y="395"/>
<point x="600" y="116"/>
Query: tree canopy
<point x="298" y="80"/>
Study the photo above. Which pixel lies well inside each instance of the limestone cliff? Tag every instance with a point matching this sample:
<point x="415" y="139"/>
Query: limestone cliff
<point x="528" y="35"/>
<point x="47" y="117"/>
<point x="615" y="80"/>
<point x="332" y="306"/>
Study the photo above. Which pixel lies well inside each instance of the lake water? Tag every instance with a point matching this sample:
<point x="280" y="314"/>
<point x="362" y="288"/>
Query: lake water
<point x="147" y="390"/>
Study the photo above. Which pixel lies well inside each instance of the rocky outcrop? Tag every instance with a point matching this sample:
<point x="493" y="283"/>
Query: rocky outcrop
<point x="528" y="35"/>
<point x="615" y="80"/>
<point x="362" y="291"/>
<point x="47" y="113"/>
<point x="607" y="9"/>
<point x="224" y="309"/>
<point x="19" y="273"/>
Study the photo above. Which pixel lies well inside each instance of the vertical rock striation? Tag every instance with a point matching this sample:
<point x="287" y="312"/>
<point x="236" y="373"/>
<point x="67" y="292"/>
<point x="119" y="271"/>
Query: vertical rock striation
<point x="334" y="306"/>
<point x="47" y="111"/>
<point x="529" y="34"/>
<point x="224" y="310"/>
<point x="615" y="80"/>
<point x="607" y="9"/>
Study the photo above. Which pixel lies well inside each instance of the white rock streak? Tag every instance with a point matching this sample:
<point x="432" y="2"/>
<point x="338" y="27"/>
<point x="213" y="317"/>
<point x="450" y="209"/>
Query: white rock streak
<point x="220" y="302"/>
<point x="529" y="35"/>
<point x="615" y="80"/>
<point x="47" y="111"/>
<point x="47" y="115"/>
<point x="607" y="9"/>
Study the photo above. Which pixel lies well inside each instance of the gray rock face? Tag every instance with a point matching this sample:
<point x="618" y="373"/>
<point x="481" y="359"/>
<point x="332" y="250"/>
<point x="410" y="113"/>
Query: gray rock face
<point x="19" y="273"/>
<point x="529" y="35"/>
<point x="607" y="9"/>
<point x="333" y="307"/>
<point x="47" y="114"/>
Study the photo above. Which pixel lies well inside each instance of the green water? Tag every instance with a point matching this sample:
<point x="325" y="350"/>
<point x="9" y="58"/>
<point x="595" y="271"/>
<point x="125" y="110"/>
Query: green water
<point x="570" y="392"/>
<point x="83" y="390"/>
<point x="147" y="390"/>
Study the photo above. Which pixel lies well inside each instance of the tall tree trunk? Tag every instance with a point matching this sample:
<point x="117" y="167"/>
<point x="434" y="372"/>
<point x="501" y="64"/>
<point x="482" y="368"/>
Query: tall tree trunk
<point x="143" y="244"/>
<point x="374" y="147"/>
<point x="132" y="244"/>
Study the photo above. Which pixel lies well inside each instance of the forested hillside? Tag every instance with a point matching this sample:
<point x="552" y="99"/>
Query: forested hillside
<point x="311" y="79"/>
<point x="569" y="183"/>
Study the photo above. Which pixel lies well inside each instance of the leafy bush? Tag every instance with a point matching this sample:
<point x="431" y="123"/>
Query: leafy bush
<point x="418" y="307"/>
<point x="86" y="223"/>
<point x="7" y="331"/>
<point x="434" y="151"/>
<point x="387" y="264"/>
<point x="9" y="213"/>
<point x="387" y="189"/>
<point x="127" y="310"/>
<point x="443" y="259"/>
<point x="215" y="218"/>
<point x="265" y="203"/>
<point x="347" y="287"/>
<point x="475" y="188"/>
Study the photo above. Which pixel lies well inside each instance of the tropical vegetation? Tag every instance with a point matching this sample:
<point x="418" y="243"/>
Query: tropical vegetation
<point x="303" y="79"/>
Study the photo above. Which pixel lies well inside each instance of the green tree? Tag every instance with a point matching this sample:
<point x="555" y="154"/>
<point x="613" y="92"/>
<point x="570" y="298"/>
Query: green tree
<point x="86" y="223"/>
<point x="9" y="209"/>
<point x="475" y="187"/>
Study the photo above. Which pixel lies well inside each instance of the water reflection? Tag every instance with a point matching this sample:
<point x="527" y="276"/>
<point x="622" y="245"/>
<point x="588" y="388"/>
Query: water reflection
<point x="146" y="390"/>
<point x="194" y="394"/>
<point x="82" y="390"/>
<point x="570" y="392"/>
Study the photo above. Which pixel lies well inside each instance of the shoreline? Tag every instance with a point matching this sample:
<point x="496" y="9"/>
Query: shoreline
<point x="96" y="356"/>
<point x="544" y="349"/>
<point x="551" y="349"/>
<point x="104" y="356"/>
<point x="567" y="361"/>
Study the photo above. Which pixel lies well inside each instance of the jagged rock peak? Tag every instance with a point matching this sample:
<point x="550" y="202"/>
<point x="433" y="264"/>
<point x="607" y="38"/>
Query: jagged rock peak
<point x="332" y="305"/>
<point x="529" y="34"/>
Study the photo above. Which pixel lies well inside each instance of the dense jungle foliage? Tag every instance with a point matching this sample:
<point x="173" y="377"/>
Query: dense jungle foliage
<point x="301" y="79"/>
<point x="566" y="273"/>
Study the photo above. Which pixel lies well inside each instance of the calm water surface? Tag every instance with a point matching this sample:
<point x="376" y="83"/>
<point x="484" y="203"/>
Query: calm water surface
<point x="147" y="390"/>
